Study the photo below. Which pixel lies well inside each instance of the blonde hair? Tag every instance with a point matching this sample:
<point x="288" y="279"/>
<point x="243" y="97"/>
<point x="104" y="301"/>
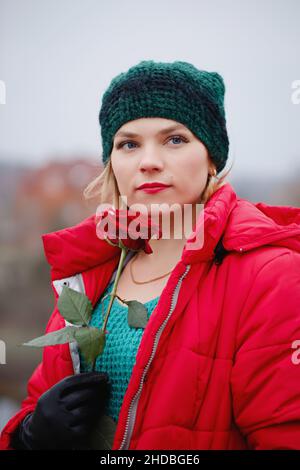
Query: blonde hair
<point x="104" y="188"/>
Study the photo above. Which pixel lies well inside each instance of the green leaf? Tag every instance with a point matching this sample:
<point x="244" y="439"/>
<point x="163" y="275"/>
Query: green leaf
<point x="65" y="335"/>
<point x="91" y="342"/>
<point x="137" y="314"/>
<point x="74" y="306"/>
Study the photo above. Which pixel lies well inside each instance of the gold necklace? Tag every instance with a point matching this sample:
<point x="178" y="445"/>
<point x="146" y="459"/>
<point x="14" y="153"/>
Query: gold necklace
<point x="145" y="282"/>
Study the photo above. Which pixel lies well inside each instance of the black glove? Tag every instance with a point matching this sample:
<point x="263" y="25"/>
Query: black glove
<point x="65" y="414"/>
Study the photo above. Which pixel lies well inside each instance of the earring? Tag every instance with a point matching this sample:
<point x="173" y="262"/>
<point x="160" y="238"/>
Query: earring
<point x="213" y="173"/>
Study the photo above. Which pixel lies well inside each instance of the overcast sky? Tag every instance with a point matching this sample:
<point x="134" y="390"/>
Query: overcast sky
<point x="57" y="57"/>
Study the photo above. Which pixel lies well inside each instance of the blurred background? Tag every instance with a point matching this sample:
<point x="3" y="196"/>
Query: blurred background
<point x="57" y="57"/>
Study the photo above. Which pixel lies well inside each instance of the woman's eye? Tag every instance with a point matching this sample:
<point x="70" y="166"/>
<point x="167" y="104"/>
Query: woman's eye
<point x="178" y="137"/>
<point x="121" y="144"/>
<point x="129" y="142"/>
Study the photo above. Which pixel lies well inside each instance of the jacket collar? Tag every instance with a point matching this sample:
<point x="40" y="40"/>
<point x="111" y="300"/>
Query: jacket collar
<point x="75" y="249"/>
<point x="242" y="225"/>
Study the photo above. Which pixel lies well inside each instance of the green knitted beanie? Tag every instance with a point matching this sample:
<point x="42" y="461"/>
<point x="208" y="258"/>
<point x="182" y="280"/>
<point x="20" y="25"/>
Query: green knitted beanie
<point x="172" y="90"/>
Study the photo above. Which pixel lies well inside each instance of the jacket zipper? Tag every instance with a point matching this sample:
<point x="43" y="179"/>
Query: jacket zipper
<point x="134" y="402"/>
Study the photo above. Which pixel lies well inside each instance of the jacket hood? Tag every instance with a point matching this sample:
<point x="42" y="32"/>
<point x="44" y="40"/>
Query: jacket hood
<point x="261" y="224"/>
<point x="241" y="224"/>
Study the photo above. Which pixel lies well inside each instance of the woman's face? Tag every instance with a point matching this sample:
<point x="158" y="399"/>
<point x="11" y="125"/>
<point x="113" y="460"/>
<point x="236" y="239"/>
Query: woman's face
<point x="157" y="153"/>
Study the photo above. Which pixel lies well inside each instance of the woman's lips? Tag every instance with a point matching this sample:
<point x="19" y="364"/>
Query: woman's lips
<point x="154" y="190"/>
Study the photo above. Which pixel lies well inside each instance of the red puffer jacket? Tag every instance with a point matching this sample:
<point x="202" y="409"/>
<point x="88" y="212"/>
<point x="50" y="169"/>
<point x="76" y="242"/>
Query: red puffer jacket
<point x="218" y="365"/>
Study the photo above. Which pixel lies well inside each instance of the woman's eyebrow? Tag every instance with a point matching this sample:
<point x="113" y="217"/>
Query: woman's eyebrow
<point x="163" y="131"/>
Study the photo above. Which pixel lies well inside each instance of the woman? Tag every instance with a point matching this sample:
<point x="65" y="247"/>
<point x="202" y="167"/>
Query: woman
<point x="216" y="365"/>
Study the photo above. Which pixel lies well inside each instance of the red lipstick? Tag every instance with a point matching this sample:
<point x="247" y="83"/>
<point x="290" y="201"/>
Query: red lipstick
<point x="153" y="187"/>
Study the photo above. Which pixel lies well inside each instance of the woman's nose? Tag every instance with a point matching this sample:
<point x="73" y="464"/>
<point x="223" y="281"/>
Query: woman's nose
<point x="151" y="161"/>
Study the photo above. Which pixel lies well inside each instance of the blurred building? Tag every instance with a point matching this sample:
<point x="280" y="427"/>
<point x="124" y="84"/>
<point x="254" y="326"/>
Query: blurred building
<point x="33" y="201"/>
<point x="50" y="198"/>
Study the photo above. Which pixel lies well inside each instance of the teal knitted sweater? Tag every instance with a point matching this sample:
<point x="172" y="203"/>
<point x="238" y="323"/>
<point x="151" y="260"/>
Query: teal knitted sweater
<point x="121" y="347"/>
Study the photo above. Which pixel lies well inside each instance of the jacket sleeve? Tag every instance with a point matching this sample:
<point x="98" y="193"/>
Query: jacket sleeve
<point x="265" y="380"/>
<point x="56" y="364"/>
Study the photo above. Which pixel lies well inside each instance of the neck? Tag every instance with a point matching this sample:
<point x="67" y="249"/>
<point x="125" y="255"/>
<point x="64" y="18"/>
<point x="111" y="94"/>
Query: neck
<point x="174" y="236"/>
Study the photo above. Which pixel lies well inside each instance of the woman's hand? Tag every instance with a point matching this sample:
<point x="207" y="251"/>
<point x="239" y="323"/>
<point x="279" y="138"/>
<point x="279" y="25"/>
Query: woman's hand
<point x="65" y="414"/>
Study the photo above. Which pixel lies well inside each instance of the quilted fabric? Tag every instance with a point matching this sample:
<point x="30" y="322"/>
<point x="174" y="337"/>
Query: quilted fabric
<point x="214" y="367"/>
